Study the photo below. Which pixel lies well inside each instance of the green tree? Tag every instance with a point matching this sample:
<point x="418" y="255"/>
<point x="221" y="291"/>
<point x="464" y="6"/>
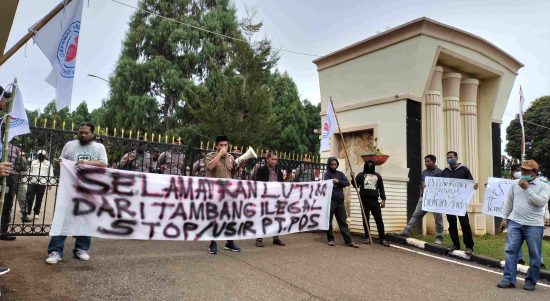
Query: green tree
<point x="50" y="113"/>
<point x="81" y="113"/>
<point x="289" y="118"/>
<point x="159" y="74"/>
<point x="537" y="137"/>
<point x="313" y="119"/>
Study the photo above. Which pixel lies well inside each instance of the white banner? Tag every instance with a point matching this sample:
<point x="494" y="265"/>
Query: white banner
<point x="120" y="204"/>
<point x="448" y="196"/>
<point x="58" y="40"/>
<point x="496" y="193"/>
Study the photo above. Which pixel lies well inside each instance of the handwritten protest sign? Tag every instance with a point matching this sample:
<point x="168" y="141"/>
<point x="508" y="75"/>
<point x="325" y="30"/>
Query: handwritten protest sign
<point x="449" y="196"/>
<point x="495" y="194"/>
<point x="122" y="204"/>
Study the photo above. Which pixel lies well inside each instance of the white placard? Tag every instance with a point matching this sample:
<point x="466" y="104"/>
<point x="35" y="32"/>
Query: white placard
<point x="448" y="196"/>
<point x="496" y="193"/>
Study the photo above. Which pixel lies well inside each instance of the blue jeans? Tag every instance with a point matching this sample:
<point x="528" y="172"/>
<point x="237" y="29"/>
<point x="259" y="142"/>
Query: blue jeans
<point x="516" y="235"/>
<point x="57" y="243"/>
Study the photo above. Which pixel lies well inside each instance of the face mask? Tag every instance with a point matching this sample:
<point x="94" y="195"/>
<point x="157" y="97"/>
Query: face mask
<point x="527" y="178"/>
<point x="517" y="175"/>
<point x="451" y="161"/>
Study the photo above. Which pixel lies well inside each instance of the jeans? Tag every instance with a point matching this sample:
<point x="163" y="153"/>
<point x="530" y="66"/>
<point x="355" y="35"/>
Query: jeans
<point x="372" y="205"/>
<point x="516" y="235"/>
<point x="417" y="219"/>
<point x="338" y="209"/>
<point x="57" y="243"/>
<point x="466" y="231"/>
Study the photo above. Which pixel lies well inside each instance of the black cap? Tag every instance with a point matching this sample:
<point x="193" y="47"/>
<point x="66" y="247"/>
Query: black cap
<point x="221" y="138"/>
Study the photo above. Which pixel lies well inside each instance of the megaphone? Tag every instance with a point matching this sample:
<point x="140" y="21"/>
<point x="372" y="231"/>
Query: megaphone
<point x="250" y="153"/>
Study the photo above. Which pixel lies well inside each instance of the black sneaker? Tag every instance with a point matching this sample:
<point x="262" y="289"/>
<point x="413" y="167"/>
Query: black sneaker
<point x="7" y="237"/>
<point x="213" y="248"/>
<point x="452" y="248"/>
<point x="469" y="251"/>
<point x="528" y="286"/>
<point x="231" y="246"/>
<point x="506" y="284"/>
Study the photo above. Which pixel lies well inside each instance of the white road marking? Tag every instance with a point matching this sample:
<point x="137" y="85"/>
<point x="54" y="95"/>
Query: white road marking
<point x="462" y="264"/>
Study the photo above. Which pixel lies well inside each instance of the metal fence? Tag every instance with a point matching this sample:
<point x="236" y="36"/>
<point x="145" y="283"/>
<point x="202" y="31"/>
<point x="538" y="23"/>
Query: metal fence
<point x="32" y="189"/>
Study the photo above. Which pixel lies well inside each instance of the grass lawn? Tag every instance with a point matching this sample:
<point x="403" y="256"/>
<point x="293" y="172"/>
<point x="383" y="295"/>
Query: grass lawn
<point x="492" y="246"/>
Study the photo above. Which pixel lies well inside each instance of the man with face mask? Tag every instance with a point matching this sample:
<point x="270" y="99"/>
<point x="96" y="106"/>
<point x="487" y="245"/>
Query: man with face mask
<point x="431" y="171"/>
<point x="371" y="189"/>
<point x="456" y="170"/>
<point x="40" y="174"/>
<point x="84" y="151"/>
<point x="337" y="203"/>
<point x="524" y="217"/>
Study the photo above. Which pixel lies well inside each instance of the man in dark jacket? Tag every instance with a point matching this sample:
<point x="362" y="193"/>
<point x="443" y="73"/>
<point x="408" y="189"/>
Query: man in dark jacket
<point x="270" y="173"/>
<point x="371" y="188"/>
<point x="459" y="171"/>
<point x="337" y="202"/>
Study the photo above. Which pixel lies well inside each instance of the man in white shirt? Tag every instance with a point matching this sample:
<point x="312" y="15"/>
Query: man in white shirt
<point x="87" y="152"/>
<point x="524" y="216"/>
<point x="40" y="173"/>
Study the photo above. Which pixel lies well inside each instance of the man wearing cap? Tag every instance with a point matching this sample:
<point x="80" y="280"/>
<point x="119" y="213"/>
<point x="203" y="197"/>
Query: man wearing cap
<point x="524" y="216"/>
<point x="221" y="164"/>
<point x="40" y="174"/>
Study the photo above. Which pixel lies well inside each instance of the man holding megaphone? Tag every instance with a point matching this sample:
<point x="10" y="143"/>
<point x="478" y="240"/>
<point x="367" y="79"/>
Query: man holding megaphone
<point x="221" y="164"/>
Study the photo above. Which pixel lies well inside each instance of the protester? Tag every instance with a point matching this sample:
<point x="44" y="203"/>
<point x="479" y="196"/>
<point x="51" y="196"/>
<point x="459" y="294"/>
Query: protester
<point x="84" y="151"/>
<point x="172" y="162"/>
<point x="19" y="184"/>
<point x="371" y="189"/>
<point x="270" y="173"/>
<point x="456" y="170"/>
<point x="306" y="171"/>
<point x="337" y="207"/>
<point x="39" y="174"/>
<point x="5" y="169"/>
<point x="431" y="171"/>
<point x="154" y="167"/>
<point x="12" y="181"/>
<point x="221" y="164"/>
<point x="137" y="159"/>
<point x="524" y="218"/>
<point x="199" y="167"/>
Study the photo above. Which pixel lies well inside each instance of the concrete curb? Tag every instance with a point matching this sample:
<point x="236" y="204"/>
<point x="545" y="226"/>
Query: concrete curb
<point x="442" y="250"/>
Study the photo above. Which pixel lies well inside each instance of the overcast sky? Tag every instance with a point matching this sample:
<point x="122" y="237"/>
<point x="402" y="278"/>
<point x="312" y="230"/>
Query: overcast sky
<point x="308" y="26"/>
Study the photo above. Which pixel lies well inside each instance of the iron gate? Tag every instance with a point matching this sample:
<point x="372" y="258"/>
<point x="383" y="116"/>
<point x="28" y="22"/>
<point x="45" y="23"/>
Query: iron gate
<point x="32" y="177"/>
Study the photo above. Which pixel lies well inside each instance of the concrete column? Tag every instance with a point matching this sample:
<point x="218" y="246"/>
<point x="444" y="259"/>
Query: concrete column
<point x="434" y="115"/>
<point x="451" y="111"/>
<point x="468" y="123"/>
<point x="469" y="151"/>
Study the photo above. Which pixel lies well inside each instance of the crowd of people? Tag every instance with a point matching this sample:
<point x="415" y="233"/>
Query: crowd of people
<point x="524" y="207"/>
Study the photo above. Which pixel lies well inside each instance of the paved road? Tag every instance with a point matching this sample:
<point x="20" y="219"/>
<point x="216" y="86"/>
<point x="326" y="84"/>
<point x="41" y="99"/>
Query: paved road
<point x="306" y="269"/>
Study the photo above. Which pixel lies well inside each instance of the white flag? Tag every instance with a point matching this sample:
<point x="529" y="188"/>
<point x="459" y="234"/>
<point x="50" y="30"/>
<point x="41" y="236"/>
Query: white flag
<point x="58" y="40"/>
<point x="329" y="126"/>
<point x="19" y="122"/>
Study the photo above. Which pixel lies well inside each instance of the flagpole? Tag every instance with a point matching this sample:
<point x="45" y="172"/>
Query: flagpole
<point x="5" y="141"/>
<point x="521" y="102"/>
<point x="350" y="168"/>
<point x="33" y="31"/>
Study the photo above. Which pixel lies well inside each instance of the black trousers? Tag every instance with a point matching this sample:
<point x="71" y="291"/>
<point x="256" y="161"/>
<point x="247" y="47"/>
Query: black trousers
<point x="35" y="190"/>
<point x="8" y="204"/>
<point x="338" y="209"/>
<point x="371" y="205"/>
<point x="466" y="231"/>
